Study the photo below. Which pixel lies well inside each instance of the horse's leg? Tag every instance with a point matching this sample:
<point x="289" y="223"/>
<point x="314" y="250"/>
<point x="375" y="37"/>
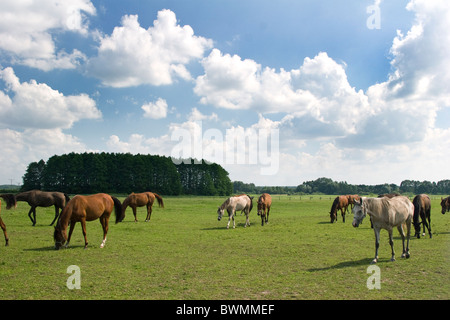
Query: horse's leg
<point x="402" y="234"/>
<point x="134" y="213"/>
<point x="29" y="215"/>
<point x="343" y="214"/>
<point x="72" y="226"/>
<point x="83" y="227"/>
<point x="267" y="216"/>
<point x="104" y="222"/>
<point x="56" y="215"/>
<point x="2" y="225"/>
<point x="377" y="244"/>
<point x="429" y="223"/>
<point x="408" y="234"/>
<point x="247" y="221"/>
<point x="391" y="243"/>
<point x="149" y="212"/>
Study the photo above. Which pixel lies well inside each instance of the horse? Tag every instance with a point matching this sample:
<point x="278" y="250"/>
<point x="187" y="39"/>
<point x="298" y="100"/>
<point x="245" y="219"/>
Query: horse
<point x="340" y="203"/>
<point x="386" y="213"/>
<point x="2" y="225"/>
<point x="389" y="195"/>
<point x="422" y="209"/>
<point x="237" y="203"/>
<point x="139" y="200"/>
<point x="264" y="203"/>
<point x="445" y="204"/>
<point x="86" y="208"/>
<point x="38" y="198"/>
<point x="351" y="198"/>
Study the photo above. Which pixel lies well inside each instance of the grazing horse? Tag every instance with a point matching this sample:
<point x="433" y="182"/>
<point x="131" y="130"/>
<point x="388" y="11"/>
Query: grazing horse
<point x="2" y="225"/>
<point x="86" y="208"/>
<point x="340" y="203"/>
<point x="386" y="213"/>
<point x="445" y="204"/>
<point x="237" y="203"/>
<point x="422" y="209"/>
<point x="37" y="198"/>
<point x="264" y="203"/>
<point x="139" y="200"/>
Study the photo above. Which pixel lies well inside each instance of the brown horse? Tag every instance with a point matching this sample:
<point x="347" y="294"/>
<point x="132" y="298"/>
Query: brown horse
<point x="37" y="198"/>
<point x="445" y="204"/>
<point x="139" y="200"/>
<point x="351" y="198"/>
<point x="86" y="208"/>
<point x="422" y="209"/>
<point x="264" y="203"/>
<point x="2" y="225"/>
<point x="340" y="203"/>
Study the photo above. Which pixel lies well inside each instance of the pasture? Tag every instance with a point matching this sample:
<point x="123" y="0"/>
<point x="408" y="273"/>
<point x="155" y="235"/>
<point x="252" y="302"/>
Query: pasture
<point x="185" y="253"/>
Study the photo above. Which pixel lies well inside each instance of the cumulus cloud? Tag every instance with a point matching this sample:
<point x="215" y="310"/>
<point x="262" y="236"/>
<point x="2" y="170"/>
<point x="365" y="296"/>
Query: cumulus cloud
<point x="36" y="105"/>
<point x="319" y="90"/>
<point x="133" y="55"/>
<point x="25" y="31"/>
<point x="155" y="110"/>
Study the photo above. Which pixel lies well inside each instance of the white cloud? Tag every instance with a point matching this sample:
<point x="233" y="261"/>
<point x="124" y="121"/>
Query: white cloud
<point x="36" y="105"/>
<point x="319" y="90"/>
<point x="20" y="148"/>
<point x="132" y="55"/>
<point x="26" y="31"/>
<point x="155" y="110"/>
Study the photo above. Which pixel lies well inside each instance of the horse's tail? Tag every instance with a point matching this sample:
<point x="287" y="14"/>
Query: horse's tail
<point x="160" y="200"/>
<point x="118" y="209"/>
<point x="10" y="200"/>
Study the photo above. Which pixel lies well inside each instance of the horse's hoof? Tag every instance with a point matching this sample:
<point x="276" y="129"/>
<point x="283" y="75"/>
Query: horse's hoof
<point x="374" y="261"/>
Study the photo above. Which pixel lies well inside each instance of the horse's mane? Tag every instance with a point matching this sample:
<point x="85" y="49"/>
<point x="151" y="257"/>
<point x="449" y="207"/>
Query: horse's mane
<point x="335" y="204"/>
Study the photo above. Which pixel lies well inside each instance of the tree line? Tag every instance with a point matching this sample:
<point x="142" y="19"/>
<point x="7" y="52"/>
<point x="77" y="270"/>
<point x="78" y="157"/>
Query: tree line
<point x="329" y="187"/>
<point x="87" y="173"/>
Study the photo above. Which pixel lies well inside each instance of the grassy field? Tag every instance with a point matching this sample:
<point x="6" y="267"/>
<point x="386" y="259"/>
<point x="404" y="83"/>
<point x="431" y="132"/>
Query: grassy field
<point x="185" y="253"/>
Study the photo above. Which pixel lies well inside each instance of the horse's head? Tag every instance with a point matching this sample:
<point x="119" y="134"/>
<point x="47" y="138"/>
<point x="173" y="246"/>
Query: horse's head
<point x="59" y="237"/>
<point x="359" y="212"/>
<point x="220" y="213"/>
<point x="260" y="208"/>
<point x="333" y="215"/>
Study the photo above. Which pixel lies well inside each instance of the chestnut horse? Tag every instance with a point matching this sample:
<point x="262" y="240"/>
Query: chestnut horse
<point x="445" y="204"/>
<point x="2" y="225"/>
<point x="264" y="203"/>
<point x="86" y="208"/>
<point x="139" y="200"/>
<point x="340" y="203"/>
<point x="422" y="209"/>
<point x="38" y="198"/>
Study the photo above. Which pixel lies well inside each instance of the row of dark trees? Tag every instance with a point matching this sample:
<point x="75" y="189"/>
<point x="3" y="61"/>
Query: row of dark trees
<point x="125" y="173"/>
<point x="330" y="187"/>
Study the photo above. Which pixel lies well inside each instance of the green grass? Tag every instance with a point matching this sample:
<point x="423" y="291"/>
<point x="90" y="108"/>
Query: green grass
<point x="185" y="253"/>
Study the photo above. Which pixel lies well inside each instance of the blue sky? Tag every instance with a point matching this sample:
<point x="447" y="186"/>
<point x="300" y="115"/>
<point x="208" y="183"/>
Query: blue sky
<point x="346" y="101"/>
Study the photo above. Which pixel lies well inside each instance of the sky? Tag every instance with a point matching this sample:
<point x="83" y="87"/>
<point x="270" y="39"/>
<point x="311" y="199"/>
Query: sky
<point x="277" y="92"/>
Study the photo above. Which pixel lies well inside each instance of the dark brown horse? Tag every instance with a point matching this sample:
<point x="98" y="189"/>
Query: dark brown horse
<point x="2" y="225"/>
<point x="264" y="203"/>
<point x="422" y="209"/>
<point x="445" y="204"/>
<point x="135" y="200"/>
<point x="37" y="198"/>
<point x="340" y="203"/>
<point x="86" y="208"/>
